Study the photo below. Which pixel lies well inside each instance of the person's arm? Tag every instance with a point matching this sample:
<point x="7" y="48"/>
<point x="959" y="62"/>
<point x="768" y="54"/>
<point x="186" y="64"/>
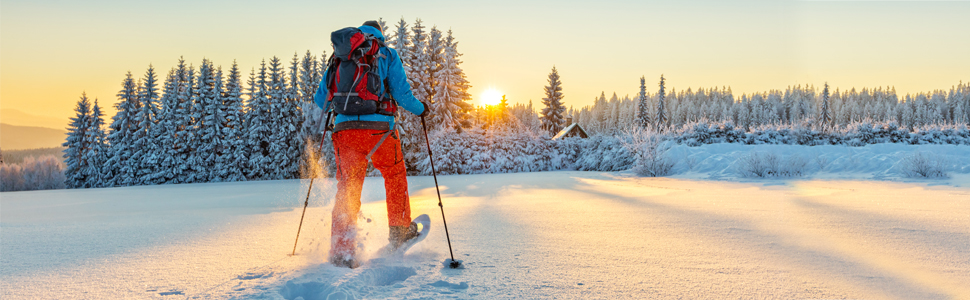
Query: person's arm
<point x="321" y="96"/>
<point x="400" y="88"/>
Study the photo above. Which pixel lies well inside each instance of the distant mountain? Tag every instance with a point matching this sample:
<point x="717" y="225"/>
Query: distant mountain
<point x="19" y="118"/>
<point x="28" y="137"/>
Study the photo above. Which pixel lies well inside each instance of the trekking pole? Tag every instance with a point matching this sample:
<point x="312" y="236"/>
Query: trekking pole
<point x="307" y="201"/>
<point x="454" y="263"/>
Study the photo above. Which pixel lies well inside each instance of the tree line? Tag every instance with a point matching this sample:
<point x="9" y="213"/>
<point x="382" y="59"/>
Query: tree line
<point x="204" y="125"/>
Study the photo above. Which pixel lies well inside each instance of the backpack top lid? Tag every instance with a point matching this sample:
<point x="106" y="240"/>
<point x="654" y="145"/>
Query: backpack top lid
<point x="346" y="40"/>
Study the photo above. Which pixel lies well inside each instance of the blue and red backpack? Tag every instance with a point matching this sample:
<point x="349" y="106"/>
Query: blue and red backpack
<point x="353" y="84"/>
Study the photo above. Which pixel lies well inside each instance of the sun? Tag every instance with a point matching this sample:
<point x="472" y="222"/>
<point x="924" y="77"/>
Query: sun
<point x="491" y="96"/>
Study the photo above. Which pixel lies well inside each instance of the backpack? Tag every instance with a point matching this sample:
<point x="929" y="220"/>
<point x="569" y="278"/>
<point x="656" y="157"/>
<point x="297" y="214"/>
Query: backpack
<point x="352" y="80"/>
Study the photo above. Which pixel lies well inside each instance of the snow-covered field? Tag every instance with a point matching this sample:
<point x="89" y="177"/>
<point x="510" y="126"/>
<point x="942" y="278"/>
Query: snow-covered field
<point x="704" y="233"/>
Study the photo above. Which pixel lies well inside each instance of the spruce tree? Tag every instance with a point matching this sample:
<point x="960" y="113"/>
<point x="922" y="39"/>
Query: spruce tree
<point x="418" y="64"/>
<point x="308" y="83"/>
<point x="121" y="168"/>
<point x="77" y="146"/>
<point x="144" y="145"/>
<point x="309" y="79"/>
<point x="220" y="167"/>
<point x="643" y="113"/>
<point x="662" y="121"/>
<point x="279" y="122"/>
<point x="184" y="128"/>
<point x="401" y="40"/>
<point x="257" y="126"/>
<point x="97" y="153"/>
<point x="163" y="132"/>
<point x="825" y="118"/>
<point x="291" y="122"/>
<point x="207" y="114"/>
<point x="234" y="147"/>
<point x="552" y="114"/>
<point x="436" y="60"/>
<point x="451" y="96"/>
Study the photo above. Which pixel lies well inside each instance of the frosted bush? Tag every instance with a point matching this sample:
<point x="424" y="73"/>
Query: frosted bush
<point x="766" y="165"/>
<point x="923" y="165"/>
<point x="44" y="173"/>
<point x="11" y="178"/>
<point x="650" y="152"/>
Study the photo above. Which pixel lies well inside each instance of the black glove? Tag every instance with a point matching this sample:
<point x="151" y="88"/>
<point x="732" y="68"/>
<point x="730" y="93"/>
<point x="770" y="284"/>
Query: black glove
<point x="427" y="110"/>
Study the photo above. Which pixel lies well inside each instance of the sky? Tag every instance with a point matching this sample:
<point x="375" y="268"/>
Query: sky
<point x="52" y="51"/>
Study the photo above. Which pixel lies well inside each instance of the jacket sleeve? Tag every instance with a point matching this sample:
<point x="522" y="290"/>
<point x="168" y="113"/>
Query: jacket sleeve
<point x="321" y="96"/>
<point x="400" y="88"/>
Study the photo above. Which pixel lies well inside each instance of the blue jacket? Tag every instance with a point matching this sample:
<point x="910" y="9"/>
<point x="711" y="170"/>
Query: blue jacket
<point x="389" y="67"/>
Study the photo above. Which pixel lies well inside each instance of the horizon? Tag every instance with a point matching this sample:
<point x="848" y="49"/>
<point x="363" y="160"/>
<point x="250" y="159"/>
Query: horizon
<point x="749" y="46"/>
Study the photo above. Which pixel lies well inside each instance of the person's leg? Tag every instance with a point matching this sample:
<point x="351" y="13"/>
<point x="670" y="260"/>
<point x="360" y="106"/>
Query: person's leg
<point x="390" y="161"/>
<point x="351" y="169"/>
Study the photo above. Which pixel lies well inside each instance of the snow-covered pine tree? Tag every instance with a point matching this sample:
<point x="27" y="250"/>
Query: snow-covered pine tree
<point x="552" y="117"/>
<point x="308" y="83"/>
<point x="401" y="40"/>
<point x="145" y="146"/>
<point x="76" y="145"/>
<point x="418" y="64"/>
<point x="436" y="59"/>
<point x="258" y="124"/>
<point x="97" y="153"/>
<point x="662" y="121"/>
<point x="643" y="112"/>
<point x="184" y="128"/>
<point x="383" y="26"/>
<point x="291" y="123"/>
<point x="160" y="132"/>
<point x="613" y="119"/>
<point x="281" y="122"/>
<point x="120" y="166"/>
<point x="207" y="136"/>
<point x="452" y="92"/>
<point x="164" y="130"/>
<point x="220" y="169"/>
<point x="234" y="151"/>
<point x="825" y="118"/>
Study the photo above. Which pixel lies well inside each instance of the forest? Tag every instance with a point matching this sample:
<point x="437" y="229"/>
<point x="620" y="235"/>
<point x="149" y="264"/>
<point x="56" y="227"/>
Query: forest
<point x="202" y="123"/>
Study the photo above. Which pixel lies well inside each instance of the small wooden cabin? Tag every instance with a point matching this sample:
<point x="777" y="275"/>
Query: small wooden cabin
<point x="570" y="131"/>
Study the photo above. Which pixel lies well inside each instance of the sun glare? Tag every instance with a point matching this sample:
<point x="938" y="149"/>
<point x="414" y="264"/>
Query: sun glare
<point x="491" y="96"/>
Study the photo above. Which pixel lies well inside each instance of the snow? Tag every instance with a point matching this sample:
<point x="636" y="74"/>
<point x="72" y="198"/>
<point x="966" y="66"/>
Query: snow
<point x="703" y="233"/>
<point x="874" y="161"/>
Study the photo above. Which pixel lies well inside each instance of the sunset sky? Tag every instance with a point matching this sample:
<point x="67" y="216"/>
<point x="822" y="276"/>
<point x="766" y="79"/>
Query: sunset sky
<point x="51" y="51"/>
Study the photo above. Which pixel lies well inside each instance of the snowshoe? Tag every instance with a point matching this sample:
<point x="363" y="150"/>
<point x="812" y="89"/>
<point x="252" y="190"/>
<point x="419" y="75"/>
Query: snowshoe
<point x="403" y="237"/>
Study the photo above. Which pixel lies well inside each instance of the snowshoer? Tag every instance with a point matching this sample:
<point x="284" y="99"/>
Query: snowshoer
<point x="365" y="82"/>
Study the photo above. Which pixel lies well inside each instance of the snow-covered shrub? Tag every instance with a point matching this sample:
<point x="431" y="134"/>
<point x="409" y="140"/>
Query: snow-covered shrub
<point x="764" y="165"/>
<point x="602" y="153"/>
<point x="44" y="173"/>
<point x="11" y="177"/>
<point x="703" y="132"/>
<point x="923" y="165"/>
<point x="855" y="134"/>
<point x="650" y="151"/>
<point x="757" y="164"/>
<point x="940" y="134"/>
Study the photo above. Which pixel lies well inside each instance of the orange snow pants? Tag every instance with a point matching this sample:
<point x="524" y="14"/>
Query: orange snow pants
<point x="351" y="147"/>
